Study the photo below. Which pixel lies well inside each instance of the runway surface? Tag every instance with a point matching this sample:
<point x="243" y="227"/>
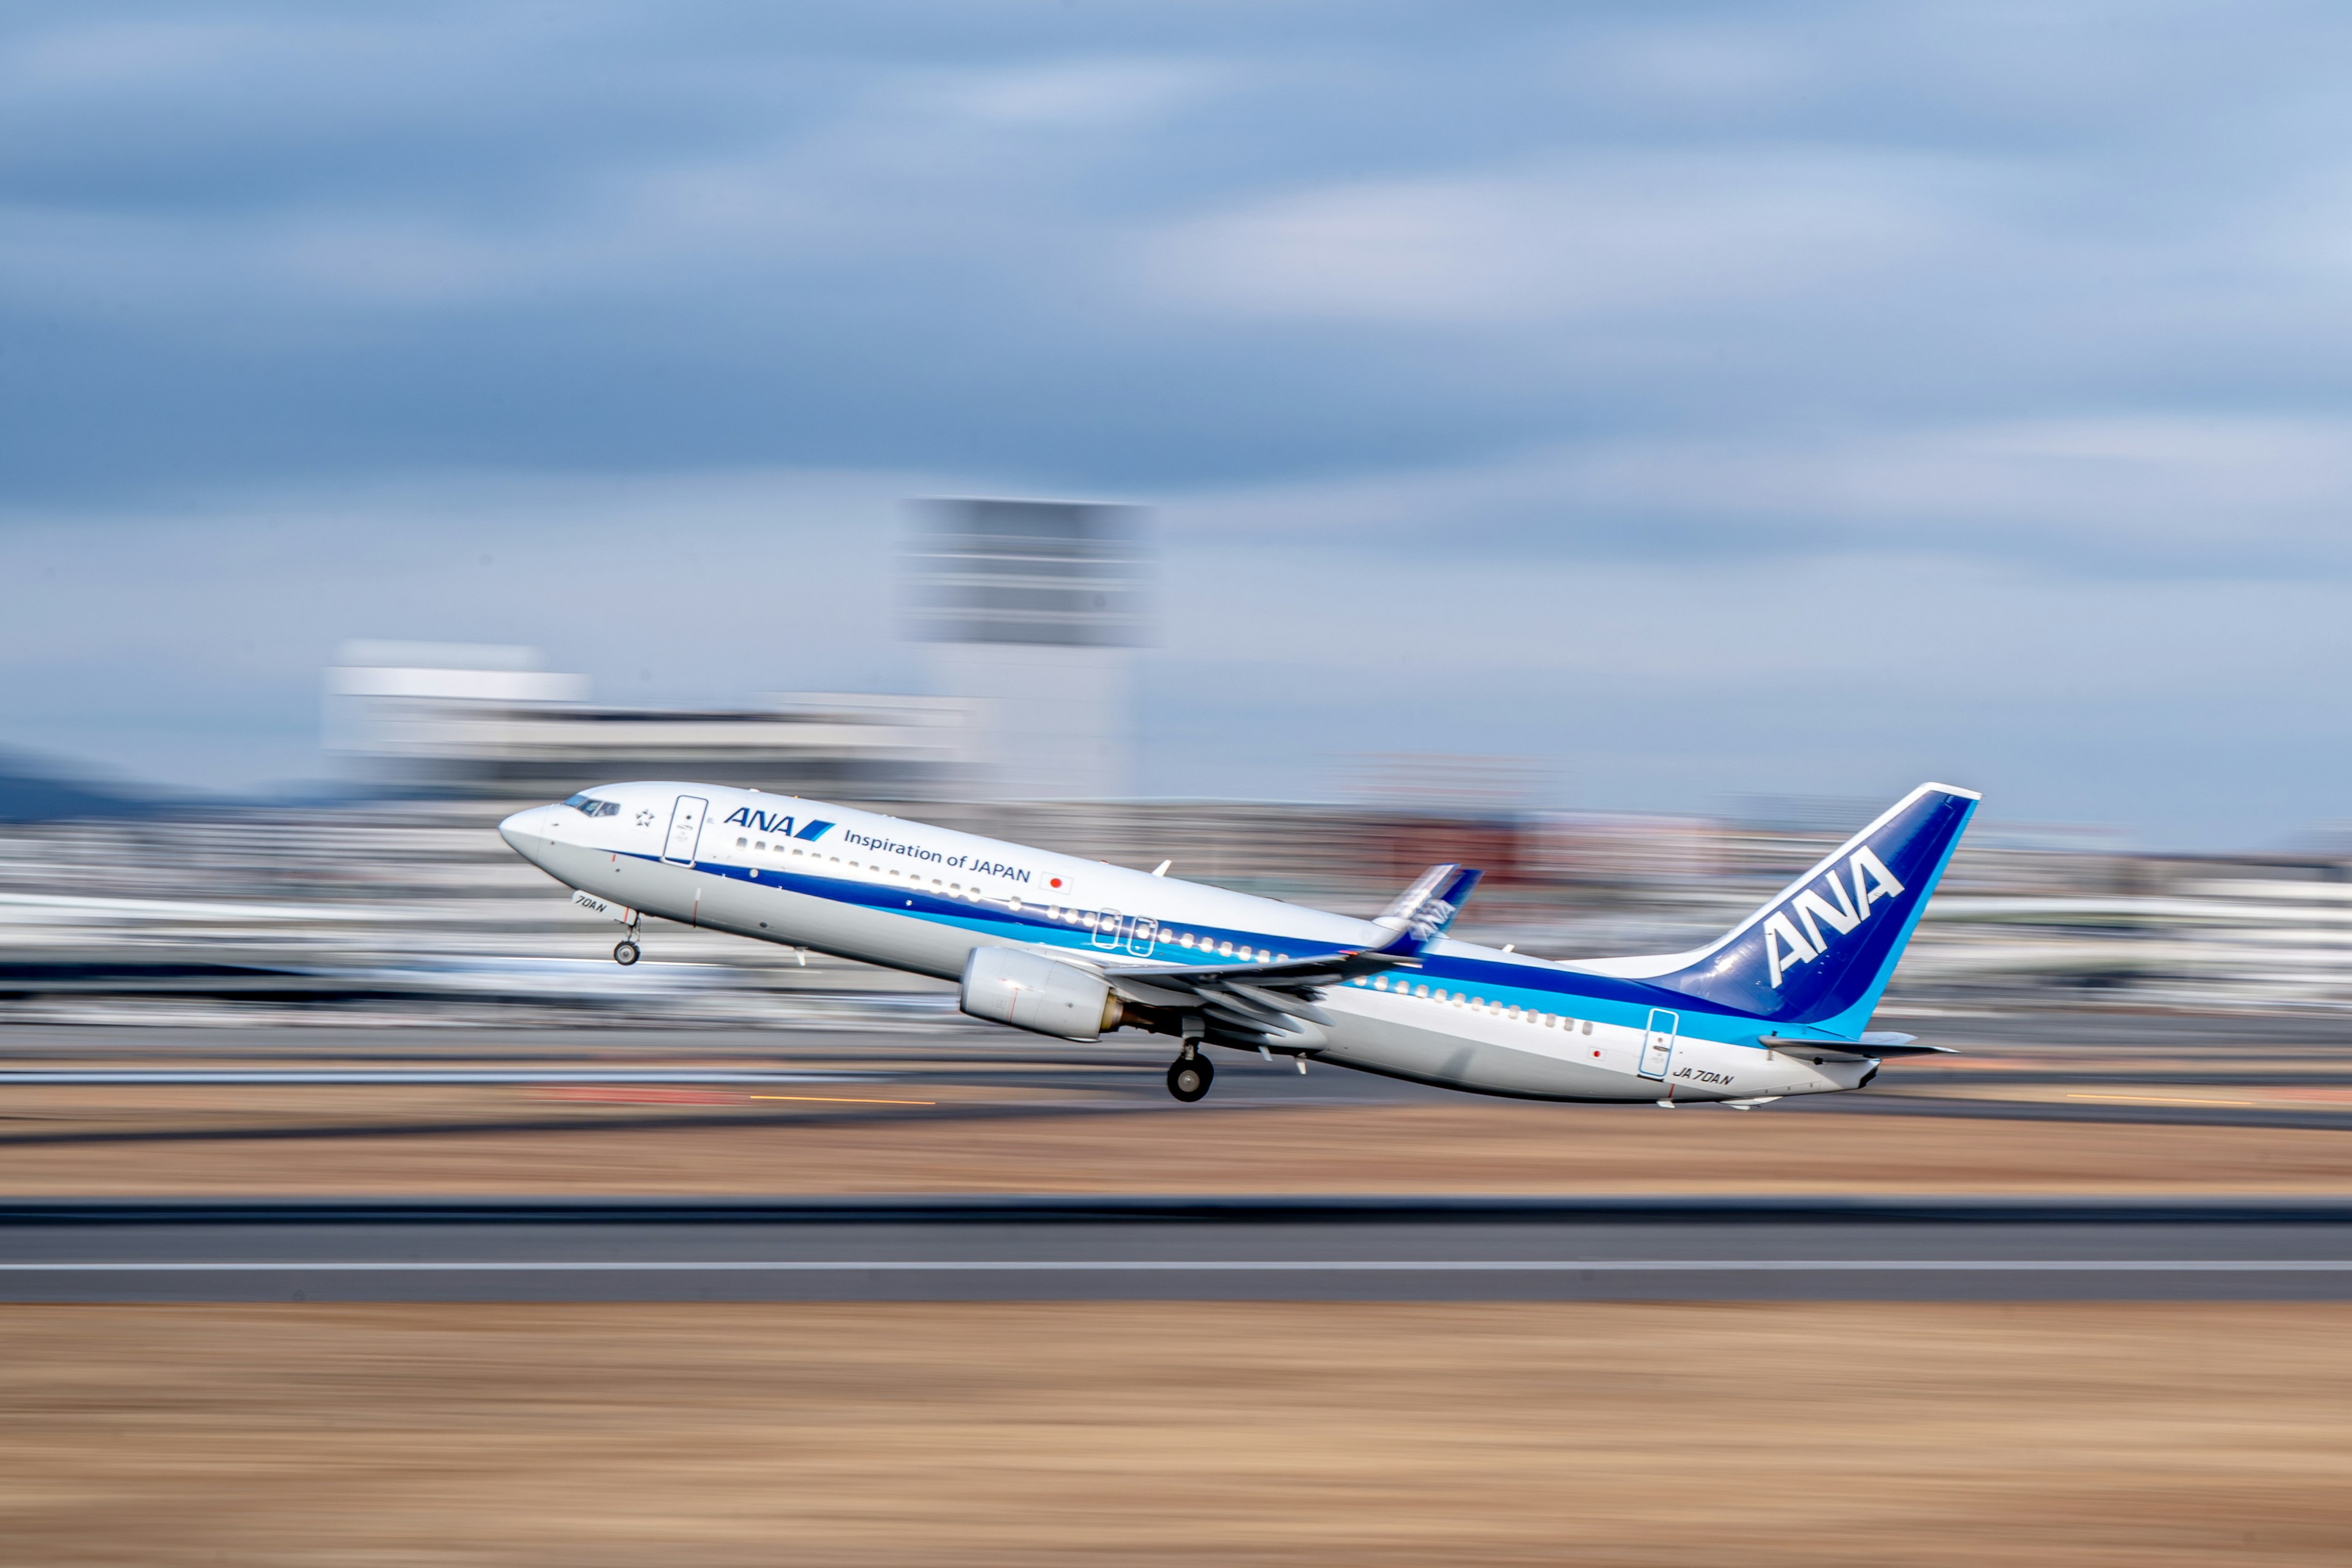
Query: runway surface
<point x="2179" y="1071"/>
<point x="1177" y="1248"/>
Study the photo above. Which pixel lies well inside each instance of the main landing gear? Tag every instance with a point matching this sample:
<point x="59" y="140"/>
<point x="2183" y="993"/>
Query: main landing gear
<point x="626" y="953"/>
<point x="1189" y="1075"/>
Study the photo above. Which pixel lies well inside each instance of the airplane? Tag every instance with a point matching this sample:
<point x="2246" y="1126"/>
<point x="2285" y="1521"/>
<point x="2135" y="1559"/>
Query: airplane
<point x="1077" y="948"/>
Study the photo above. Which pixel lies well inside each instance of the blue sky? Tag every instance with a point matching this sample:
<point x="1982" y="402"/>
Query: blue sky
<point x="1702" y="401"/>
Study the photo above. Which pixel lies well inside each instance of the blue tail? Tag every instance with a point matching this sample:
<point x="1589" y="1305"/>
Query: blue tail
<point x="1423" y="912"/>
<point x="1820" y="953"/>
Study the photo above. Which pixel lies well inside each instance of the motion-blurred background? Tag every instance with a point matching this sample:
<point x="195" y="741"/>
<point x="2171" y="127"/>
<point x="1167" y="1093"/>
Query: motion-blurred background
<point x="1621" y="445"/>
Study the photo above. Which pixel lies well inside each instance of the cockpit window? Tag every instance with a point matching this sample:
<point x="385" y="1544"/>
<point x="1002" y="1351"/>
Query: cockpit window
<point x="588" y="805"/>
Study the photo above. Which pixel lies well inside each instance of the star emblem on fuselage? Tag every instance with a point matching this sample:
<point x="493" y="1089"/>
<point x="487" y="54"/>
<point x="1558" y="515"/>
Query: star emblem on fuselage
<point x="645" y="819"/>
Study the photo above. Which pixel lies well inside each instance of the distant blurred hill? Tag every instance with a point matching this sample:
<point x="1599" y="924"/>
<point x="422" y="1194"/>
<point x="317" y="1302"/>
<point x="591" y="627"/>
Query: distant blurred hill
<point x="35" y="790"/>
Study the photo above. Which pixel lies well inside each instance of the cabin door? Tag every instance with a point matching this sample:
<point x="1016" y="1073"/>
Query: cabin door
<point x="686" y="829"/>
<point x="1658" y="1042"/>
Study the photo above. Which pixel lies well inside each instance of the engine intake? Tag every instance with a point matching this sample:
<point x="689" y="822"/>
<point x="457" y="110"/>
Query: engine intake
<point x="1006" y="985"/>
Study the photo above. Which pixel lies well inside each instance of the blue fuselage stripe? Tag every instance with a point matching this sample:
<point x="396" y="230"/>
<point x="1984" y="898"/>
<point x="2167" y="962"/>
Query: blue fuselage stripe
<point x="1602" y="998"/>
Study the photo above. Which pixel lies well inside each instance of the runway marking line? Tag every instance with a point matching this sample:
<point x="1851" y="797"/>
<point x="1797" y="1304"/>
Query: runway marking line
<point x="840" y="1099"/>
<point x="2163" y="1100"/>
<point x="1224" y="1265"/>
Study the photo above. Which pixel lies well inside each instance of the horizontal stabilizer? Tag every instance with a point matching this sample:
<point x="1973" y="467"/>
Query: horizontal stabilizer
<point x="1870" y="1047"/>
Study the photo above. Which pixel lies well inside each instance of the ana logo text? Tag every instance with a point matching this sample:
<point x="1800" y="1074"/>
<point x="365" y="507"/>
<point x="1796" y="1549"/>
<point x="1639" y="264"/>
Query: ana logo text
<point x="777" y="823"/>
<point x="1785" y="946"/>
<point x="1433" y="917"/>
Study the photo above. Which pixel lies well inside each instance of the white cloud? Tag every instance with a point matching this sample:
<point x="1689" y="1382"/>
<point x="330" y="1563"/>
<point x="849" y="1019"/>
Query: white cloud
<point x="2221" y="493"/>
<point x="1573" y="237"/>
<point x="1067" y="94"/>
<point x="911" y="165"/>
<point x="115" y="56"/>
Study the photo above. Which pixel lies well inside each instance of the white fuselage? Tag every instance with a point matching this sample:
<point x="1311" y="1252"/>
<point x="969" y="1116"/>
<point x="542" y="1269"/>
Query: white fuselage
<point x="913" y="897"/>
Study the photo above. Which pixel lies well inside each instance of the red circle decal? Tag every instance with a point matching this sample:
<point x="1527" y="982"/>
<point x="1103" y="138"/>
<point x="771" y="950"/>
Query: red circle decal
<point x="1058" y="881"/>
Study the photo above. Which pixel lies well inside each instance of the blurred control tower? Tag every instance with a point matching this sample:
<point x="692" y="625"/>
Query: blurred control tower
<point x="1034" y="609"/>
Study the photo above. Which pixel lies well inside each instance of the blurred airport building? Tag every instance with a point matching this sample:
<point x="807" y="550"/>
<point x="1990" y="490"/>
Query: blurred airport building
<point x="1031" y="610"/>
<point x="403" y="907"/>
<point x="399" y="902"/>
<point x="463" y="723"/>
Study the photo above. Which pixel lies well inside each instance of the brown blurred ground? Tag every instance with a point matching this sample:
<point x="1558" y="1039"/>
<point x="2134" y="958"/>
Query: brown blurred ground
<point x="344" y="1142"/>
<point x="1151" y="1433"/>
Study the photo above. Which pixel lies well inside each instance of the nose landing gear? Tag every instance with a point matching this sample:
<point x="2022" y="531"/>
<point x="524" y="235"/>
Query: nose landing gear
<point x="625" y="954"/>
<point x="1189" y="1076"/>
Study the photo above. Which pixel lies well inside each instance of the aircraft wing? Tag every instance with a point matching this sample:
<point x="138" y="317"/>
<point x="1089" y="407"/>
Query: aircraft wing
<point x="1272" y="999"/>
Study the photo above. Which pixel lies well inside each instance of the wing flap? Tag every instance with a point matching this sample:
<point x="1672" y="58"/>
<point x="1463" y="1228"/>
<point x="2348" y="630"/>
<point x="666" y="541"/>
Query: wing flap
<point x="1257" y="1000"/>
<point x="1291" y="1007"/>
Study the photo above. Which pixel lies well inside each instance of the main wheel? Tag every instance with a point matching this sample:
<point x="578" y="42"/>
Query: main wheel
<point x="1189" y="1078"/>
<point x="625" y="955"/>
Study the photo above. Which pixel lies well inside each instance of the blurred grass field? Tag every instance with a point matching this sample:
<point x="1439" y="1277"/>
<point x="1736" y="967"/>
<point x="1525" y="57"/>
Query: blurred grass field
<point x="1624" y="1434"/>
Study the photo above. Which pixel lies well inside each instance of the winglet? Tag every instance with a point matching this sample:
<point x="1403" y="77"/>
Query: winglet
<point x="1423" y="912"/>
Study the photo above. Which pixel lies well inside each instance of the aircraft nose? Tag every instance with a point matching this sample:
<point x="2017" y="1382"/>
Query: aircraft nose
<point x="526" y="830"/>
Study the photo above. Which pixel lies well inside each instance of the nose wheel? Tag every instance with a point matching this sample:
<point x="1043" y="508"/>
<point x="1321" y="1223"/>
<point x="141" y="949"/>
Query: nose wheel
<point x="625" y="955"/>
<point x="1189" y="1076"/>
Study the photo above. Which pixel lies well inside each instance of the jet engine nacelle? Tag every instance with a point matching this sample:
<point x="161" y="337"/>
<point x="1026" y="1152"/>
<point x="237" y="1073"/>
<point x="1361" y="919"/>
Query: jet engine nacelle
<point x="1006" y="985"/>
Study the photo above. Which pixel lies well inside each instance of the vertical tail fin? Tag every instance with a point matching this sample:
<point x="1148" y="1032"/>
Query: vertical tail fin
<point x="1822" y="952"/>
<point x="1423" y="912"/>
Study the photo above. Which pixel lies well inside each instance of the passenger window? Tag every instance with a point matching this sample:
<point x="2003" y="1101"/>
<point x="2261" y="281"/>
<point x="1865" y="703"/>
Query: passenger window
<point x="1588" y="1026"/>
<point x="1184" y="940"/>
<point x="762" y="844"/>
<point x="741" y="842"/>
<point x="1421" y="990"/>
